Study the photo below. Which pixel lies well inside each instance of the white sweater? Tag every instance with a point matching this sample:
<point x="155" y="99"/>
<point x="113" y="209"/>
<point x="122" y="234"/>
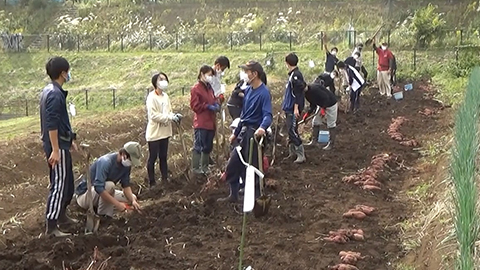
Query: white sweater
<point x="159" y="111"/>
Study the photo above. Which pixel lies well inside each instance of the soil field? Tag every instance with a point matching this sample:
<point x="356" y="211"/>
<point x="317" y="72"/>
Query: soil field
<point x="183" y="227"/>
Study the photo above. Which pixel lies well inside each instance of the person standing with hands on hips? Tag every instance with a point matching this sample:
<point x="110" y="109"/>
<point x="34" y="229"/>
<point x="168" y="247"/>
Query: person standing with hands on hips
<point x="255" y="119"/>
<point x="293" y="105"/>
<point x="159" y="126"/>
<point x="58" y="139"/>
<point x="205" y="106"/>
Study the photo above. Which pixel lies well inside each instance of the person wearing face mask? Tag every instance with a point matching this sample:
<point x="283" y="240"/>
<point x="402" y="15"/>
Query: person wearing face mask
<point x="220" y="65"/>
<point x="107" y="171"/>
<point x="293" y="105"/>
<point x="255" y="119"/>
<point x="205" y="106"/>
<point x="355" y="85"/>
<point x="159" y="126"/>
<point x="58" y="139"/>
<point x="331" y="56"/>
<point x="328" y="80"/>
<point x="384" y="68"/>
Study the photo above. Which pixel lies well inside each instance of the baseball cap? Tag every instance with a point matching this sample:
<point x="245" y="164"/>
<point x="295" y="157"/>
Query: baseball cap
<point x="253" y="66"/>
<point x="135" y="151"/>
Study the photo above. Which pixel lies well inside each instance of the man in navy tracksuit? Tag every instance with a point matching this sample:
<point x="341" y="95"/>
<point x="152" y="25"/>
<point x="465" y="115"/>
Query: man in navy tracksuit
<point x="57" y="138"/>
<point x="293" y="104"/>
<point x="255" y="119"/>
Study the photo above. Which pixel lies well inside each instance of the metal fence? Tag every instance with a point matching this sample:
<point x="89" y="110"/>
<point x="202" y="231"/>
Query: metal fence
<point x="191" y="40"/>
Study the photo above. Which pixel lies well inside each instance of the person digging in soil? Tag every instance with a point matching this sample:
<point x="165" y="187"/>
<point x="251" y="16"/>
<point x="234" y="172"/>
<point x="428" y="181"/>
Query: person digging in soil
<point x="159" y="126"/>
<point x="293" y="104"/>
<point x="205" y="106"/>
<point x="58" y="139"/>
<point x="327" y="80"/>
<point x="318" y="95"/>
<point x="105" y="173"/>
<point x="256" y="117"/>
<point x="355" y="85"/>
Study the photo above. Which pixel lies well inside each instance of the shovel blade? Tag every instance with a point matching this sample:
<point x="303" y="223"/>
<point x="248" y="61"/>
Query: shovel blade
<point x="262" y="205"/>
<point x="93" y="222"/>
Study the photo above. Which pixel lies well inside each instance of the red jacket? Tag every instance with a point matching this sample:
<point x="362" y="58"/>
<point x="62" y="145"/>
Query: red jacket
<point x="201" y="96"/>
<point x="384" y="58"/>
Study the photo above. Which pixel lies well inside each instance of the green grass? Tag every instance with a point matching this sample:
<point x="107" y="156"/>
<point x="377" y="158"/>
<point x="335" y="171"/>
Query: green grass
<point x="15" y="127"/>
<point x="463" y="172"/>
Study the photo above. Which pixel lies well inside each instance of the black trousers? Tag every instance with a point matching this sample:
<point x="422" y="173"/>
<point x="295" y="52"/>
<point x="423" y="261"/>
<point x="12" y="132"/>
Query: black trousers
<point x="355" y="99"/>
<point x="157" y="150"/>
<point x="61" y="185"/>
<point x="235" y="168"/>
<point x="292" y="126"/>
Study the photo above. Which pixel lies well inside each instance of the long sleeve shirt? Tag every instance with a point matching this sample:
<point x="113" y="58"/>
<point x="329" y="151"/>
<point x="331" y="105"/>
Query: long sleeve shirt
<point x="106" y="168"/>
<point x="256" y="110"/>
<point x="355" y="79"/>
<point x="294" y="92"/>
<point x="159" y="112"/>
<point x="201" y="96"/>
<point x="318" y="95"/>
<point x="54" y="115"/>
<point x="330" y="62"/>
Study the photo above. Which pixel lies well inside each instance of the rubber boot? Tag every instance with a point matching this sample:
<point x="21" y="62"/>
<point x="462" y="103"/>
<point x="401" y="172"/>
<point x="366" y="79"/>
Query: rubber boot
<point x="233" y="196"/>
<point x="291" y="150"/>
<point x="65" y="219"/>
<point x="300" y="151"/>
<point x="315" y="132"/>
<point x="204" y="162"/>
<point x="52" y="229"/>
<point x="331" y="142"/>
<point x="196" y="157"/>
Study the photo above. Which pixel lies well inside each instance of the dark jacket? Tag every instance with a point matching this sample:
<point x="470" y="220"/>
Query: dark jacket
<point x="201" y="95"/>
<point x="294" y="92"/>
<point x="235" y="99"/>
<point x="318" y="95"/>
<point x="54" y="116"/>
<point x="330" y="62"/>
<point x="326" y="81"/>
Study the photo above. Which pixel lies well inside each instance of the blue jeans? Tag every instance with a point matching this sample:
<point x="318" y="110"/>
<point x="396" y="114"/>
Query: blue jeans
<point x="203" y="140"/>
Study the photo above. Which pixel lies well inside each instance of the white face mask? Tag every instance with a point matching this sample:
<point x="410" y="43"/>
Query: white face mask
<point x="163" y="85"/>
<point x="243" y="76"/>
<point x="126" y="162"/>
<point x="333" y="52"/>
<point x="209" y="79"/>
<point x="384" y="48"/>
<point x="355" y="57"/>
<point x="332" y="75"/>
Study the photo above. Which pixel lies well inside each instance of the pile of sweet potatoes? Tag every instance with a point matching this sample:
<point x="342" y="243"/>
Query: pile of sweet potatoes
<point x="343" y="236"/>
<point x="349" y="260"/>
<point x="393" y="132"/>
<point x="367" y="178"/>
<point x="359" y="212"/>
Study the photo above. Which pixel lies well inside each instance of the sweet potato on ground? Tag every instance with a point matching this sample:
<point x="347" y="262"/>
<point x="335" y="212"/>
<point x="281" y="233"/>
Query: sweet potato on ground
<point x="371" y="187"/>
<point x="343" y="266"/>
<point x="354" y="214"/>
<point x="358" y="237"/>
<point x="365" y="209"/>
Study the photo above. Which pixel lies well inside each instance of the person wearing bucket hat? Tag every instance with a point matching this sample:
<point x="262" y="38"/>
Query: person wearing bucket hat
<point x="255" y="119"/>
<point x="106" y="172"/>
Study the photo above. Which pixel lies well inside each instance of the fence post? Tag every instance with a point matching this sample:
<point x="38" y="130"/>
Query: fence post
<point x="414" y="59"/>
<point x="203" y="41"/>
<point x="260" y="36"/>
<point x="183" y="90"/>
<point x="48" y="43"/>
<point x="231" y="41"/>
<point x="26" y="107"/>
<point x="321" y="40"/>
<point x="176" y="41"/>
<point x="290" y="39"/>
<point x="456" y="55"/>
<point x="108" y="42"/>
<point x="461" y="37"/>
<point x="354" y="38"/>
<point x="150" y="41"/>
<point x="121" y="42"/>
<point x="86" y="99"/>
<point x="113" y="98"/>
<point x="78" y="43"/>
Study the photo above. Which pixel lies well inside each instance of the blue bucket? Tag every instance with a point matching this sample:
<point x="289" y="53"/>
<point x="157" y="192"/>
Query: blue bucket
<point x="398" y="95"/>
<point x="408" y="87"/>
<point x="323" y="136"/>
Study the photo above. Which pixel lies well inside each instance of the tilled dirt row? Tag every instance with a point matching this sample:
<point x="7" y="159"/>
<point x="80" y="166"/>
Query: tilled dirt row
<point x="182" y="229"/>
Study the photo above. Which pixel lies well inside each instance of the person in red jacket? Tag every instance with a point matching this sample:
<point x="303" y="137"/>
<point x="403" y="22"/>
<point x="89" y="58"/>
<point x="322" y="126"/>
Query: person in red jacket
<point x="384" y="68"/>
<point x="205" y="106"/>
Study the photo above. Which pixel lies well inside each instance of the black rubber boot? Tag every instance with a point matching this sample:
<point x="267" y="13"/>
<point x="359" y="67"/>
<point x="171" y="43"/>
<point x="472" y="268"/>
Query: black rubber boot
<point x="233" y="196"/>
<point x="331" y="142"/>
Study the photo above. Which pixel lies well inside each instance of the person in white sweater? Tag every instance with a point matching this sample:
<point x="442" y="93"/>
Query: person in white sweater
<point x="159" y="127"/>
